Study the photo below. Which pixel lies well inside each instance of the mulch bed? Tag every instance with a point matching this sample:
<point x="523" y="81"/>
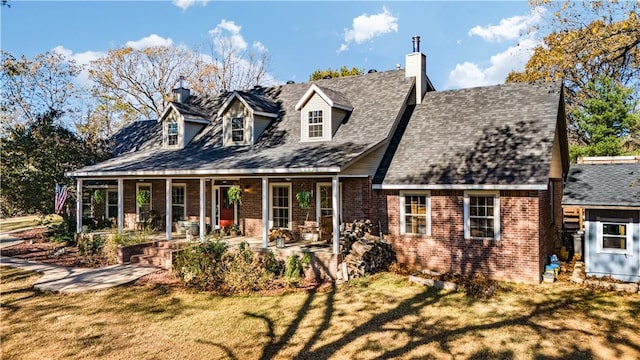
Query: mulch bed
<point x="37" y="247"/>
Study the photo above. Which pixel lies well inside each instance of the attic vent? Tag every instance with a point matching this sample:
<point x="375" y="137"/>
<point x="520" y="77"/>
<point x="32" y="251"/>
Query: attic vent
<point x="291" y="82"/>
<point x="372" y="71"/>
<point x="327" y="77"/>
<point x="257" y="87"/>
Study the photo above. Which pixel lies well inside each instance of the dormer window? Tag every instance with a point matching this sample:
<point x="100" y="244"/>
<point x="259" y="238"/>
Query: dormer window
<point x="315" y="124"/>
<point x="322" y="111"/>
<point x="172" y="133"/>
<point x="237" y="129"/>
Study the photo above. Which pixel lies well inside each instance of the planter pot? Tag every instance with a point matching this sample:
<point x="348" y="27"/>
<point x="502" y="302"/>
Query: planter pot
<point x="280" y="243"/>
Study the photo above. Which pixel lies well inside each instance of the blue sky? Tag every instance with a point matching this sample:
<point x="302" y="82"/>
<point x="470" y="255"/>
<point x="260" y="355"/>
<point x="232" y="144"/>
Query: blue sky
<point x="466" y="43"/>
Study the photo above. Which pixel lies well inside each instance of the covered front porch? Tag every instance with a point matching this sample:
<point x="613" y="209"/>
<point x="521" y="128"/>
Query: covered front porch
<point x="267" y="203"/>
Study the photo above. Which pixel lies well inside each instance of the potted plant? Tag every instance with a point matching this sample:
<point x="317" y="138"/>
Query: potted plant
<point x="235" y="230"/>
<point x="304" y="201"/>
<point x="99" y="196"/>
<point x="142" y="197"/>
<point x="234" y="195"/>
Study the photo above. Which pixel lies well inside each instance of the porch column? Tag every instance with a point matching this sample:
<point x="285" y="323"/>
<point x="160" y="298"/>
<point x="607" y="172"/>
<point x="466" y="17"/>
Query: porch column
<point x="168" y="207"/>
<point x="213" y="205"/>
<point x="203" y="208"/>
<point x="120" y="205"/>
<point x="335" y="203"/>
<point x="265" y="213"/>
<point x="79" y="206"/>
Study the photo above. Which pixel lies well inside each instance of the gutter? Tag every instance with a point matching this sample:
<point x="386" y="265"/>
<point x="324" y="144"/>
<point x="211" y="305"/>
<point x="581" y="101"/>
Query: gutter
<point x="459" y="187"/>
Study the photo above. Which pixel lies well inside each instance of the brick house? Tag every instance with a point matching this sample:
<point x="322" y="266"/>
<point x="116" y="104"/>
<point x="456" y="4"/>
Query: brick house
<point x="466" y="180"/>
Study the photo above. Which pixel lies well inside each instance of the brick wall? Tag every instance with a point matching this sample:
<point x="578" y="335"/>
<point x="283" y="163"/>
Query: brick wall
<point x="515" y="257"/>
<point x="158" y="200"/>
<point x="357" y="199"/>
<point x="250" y="212"/>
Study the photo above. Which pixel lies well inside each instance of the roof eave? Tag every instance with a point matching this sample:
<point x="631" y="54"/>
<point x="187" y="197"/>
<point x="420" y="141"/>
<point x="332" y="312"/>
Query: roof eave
<point x="459" y="187"/>
<point x="112" y="174"/>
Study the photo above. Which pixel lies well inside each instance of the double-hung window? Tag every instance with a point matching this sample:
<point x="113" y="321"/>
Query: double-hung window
<point x="614" y="236"/>
<point x="415" y="211"/>
<point x="281" y="205"/>
<point x="315" y="124"/>
<point x="178" y="202"/>
<point x="482" y="215"/>
<point x="237" y="129"/>
<point x="112" y="204"/>
<point x="172" y="133"/>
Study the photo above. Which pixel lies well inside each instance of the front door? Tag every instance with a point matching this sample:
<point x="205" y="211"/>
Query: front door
<point x="225" y="211"/>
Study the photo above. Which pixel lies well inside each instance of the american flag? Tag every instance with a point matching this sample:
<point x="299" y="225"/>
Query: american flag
<point x="61" y="197"/>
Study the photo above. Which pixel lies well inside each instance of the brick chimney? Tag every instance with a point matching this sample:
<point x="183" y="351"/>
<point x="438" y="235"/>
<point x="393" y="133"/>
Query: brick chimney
<point x="180" y="94"/>
<point x="417" y="67"/>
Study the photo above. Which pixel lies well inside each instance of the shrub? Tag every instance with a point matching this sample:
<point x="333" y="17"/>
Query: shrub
<point x="200" y="266"/>
<point x="245" y="271"/>
<point x="90" y="245"/>
<point x="295" y="267"/>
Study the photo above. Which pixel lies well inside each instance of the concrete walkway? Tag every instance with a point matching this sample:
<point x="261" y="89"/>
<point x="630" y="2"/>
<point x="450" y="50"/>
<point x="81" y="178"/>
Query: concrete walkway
<point x="74" y="280"/>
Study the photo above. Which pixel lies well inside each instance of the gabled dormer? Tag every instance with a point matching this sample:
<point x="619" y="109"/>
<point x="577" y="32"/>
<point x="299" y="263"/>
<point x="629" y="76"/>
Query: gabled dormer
<point x="181" y="120"/>
<point x="245" y="116"/>
<point x="322" y="110"/>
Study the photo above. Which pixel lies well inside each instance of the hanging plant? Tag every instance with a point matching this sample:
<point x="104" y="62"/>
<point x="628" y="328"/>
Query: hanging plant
<point x="99" y="196"/>
<point x="143" y="197"/>
<point x="234" y="195"/>
<point x="304" y="201"/>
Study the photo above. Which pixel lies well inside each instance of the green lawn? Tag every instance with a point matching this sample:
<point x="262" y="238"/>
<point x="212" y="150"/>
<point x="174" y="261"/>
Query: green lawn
<point x="380" y="317"/>
<point x="22" y="222"/>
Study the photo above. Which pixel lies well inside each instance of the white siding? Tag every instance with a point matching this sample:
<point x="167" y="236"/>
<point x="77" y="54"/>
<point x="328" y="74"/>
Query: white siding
<point x="337" y="117"/>
<point x="190" y="130"/>
<point x="315" y="103"/>
<point x="368" y="164"/>
<point x="260" y="123"/>
<point x="236" y="109"/>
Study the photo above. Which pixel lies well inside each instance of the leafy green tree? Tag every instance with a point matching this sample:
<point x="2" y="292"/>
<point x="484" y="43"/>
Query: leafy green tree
<point x="605" y="123"/>
<point x="330" y="73"/>
<point x="35" y="157"/>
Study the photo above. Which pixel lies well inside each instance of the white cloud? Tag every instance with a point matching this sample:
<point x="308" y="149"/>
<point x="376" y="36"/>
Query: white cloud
<point x="227" y="33"/>
<point x="184" y="4"/>
<point x="470" y="74"/>
<point x="149" y="41"/>
<point x="366" y="27"/>
<point x="509" y="28"/>
<point x="343" y="47"/>
<point x="83" y="59"/>
<point x="259" y="46"/>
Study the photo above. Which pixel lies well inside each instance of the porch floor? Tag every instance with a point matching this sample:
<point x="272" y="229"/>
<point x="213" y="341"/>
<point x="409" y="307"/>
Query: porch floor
<point x="255" y="243"/>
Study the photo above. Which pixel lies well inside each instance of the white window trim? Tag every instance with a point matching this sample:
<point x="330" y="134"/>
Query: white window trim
<point x="244" y="130"/>
<point x="177" y="144"/>
<point x="321" y="123"/>
<point x="184" y="210"/>
<point x="271" y="186"/>
<point x="106" y="202"/>
<point x="496" y="213"/>
<point x="628" y="222"/>
<point x="403" y="223"/>
<point x="138" y="185"/>
<point x="318" y="209"/>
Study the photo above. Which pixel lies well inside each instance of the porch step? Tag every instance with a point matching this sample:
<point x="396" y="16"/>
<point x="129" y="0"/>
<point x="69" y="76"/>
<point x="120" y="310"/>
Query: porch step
<point x="159" y="253"/>
<point x="151" y="260"/>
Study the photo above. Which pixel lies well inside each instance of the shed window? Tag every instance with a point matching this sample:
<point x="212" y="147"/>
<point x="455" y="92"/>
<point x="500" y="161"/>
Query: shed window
<point x="172" y="133"/>
<point x="237" y="129"/>
<point x="315" y="123"/>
